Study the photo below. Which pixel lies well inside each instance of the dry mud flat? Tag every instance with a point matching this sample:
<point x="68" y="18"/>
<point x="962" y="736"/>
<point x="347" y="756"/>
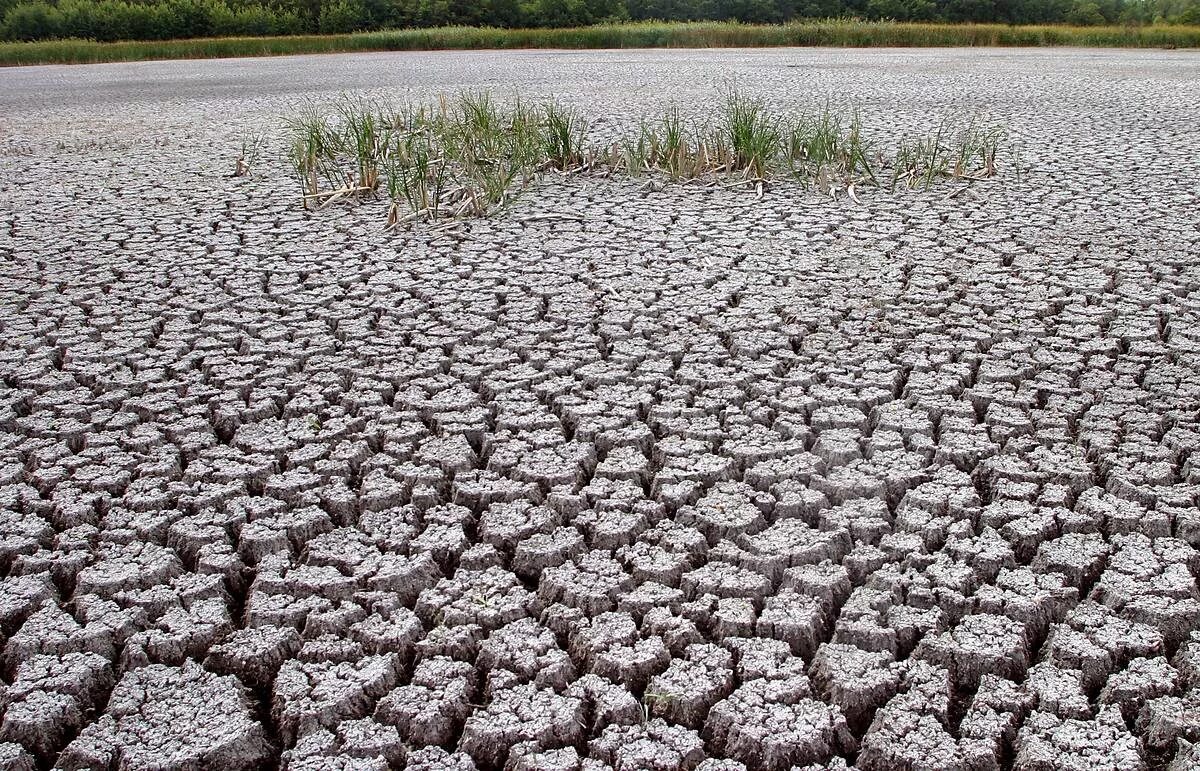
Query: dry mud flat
<point x="703" y="482"/>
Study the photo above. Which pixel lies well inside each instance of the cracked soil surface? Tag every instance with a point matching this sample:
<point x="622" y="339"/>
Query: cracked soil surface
<point x="700" y="482"/>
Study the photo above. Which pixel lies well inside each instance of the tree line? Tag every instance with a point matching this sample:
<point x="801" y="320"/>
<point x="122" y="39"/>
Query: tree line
<point x="106" y="20"/>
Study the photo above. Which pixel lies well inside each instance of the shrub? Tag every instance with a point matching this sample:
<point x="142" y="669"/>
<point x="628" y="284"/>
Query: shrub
<point x="343" y="16"/>
<point x="1085" y="14"/>
<point x="32" y="21"/>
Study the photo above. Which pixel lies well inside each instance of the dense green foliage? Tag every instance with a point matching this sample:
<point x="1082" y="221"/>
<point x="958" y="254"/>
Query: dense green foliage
<point x="108" y="20"/>
<point x="630" y="35"/>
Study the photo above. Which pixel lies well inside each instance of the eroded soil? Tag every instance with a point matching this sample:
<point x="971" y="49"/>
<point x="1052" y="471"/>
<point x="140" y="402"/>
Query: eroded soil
<point x="702" y="481"/>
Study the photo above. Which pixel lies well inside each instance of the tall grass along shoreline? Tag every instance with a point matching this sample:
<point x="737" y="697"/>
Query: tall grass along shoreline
<point x="856" y="34"/>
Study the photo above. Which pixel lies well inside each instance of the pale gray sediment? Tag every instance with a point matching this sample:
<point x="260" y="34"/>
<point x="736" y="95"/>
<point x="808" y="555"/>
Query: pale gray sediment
<point x="698" y="482"/>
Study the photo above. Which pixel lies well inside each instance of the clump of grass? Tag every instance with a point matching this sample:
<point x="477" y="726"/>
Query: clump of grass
<point x="314" y="154"/>
<point x="471" y="155"/>
<point x="823" y="149"/>
<point x="251" y="146"/>
<point x="670" y="149"/>
<point x="564" y="138"/>
<point x="416" y="177"/>
<point x="965" y="154"/>
<point x="752" y="132"/>
<point x="366" y="135"/>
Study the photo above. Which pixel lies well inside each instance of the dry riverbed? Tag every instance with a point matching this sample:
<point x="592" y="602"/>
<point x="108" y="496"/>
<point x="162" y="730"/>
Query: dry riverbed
<point x="686" y="479"/>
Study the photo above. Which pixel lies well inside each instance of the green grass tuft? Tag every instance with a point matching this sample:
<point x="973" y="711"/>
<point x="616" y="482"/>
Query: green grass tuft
<point x="470" y="156"/>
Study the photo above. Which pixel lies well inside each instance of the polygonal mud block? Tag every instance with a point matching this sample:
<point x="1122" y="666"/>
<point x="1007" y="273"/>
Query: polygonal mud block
<point x="1187" y="661"/>
<point x="759" y="658"/>
<point x="1142" y="680"/>
<point x="460" y="642"/>
<point x="355" y="744"/>
<point x="722" y="579"/>
<point x="728" y="510"/>
<point x="438" y="759"/>
<point x="506" y="524"/>
<point x="135" y="566"/>
<point x="1165" y="720"/>
<point x="406" y="576"/>
<point x="716" y="764"/>
<point x="179" y="633"/>
<point x="612" y="646"/>
<point x="991" y="721"/>
<point x="490" y="598"/>
<point x="391" y="530"/>
<point x="330" y="648"/>
<point x="863" y="561"/>
<point x="649" y="596"/>
<point x="856" y="681"/>
<point x="675" y="631"/>
<point x="49" y="698"/>
<point x="1187" y="755"/>
<point x="540" y="551"/>
<point x="389" y="631"/>
<point x="346" y="548"/>
<point x="1049" y="742"/>
<point x="530" y="651"/>
<point x="1097" y="642"/>
<point x="796" y="467"/>
<point x="785" y="544"/>
<point x="605" y="703"/>
<point x="610" y="528"/>
<point x="687" y="689"/>
<point x="627" y="462"/>
<point x="527" y="756"/>
<point x="1079" y="557"/>
<point x="280" y="577"/>
<point x="978" y="645"/>
<point x="286" y="531"/>
<point x="797" y="619"/>
<point x="432" y="708"/>
<point x="1059" y="691"/>
<point x="664" y="553"/>
<point x="309" y="695"/>
<point x="1174" y="617"/>
<point x="796" y="500"/>
<point x="52" y="631"/>
<point x="523" y="713"/>
<point x="590" y="583"/>
<point x="775" y="724"/>
<point x="827" y="582"/>
<point x="650" y="746"/>
<point x="1035" y="600"/>
<point x="14" y="757"/>
<point x="481" y="488"/>
<point x="733" y="617"/>
<point x="900" y="737"/>
<point x="912" y="625"/>
<point x="254" y="654"/>
<point x="175" y="718"/>
<point x="986" y="553"/>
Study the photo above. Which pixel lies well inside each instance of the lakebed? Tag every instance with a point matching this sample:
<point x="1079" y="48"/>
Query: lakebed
<point x="624" y="476"/>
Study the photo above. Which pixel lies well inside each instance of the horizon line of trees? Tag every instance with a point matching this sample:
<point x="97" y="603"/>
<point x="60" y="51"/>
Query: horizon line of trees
<point x="108" y="20"/>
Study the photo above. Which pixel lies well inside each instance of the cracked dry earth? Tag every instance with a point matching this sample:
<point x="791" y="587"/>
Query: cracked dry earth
<point x="702" y="482"/>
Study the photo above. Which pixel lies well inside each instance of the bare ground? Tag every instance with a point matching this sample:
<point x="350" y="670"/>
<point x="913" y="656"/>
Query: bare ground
<point x="700" y="482"/>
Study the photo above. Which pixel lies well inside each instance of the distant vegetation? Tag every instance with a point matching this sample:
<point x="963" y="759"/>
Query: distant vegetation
<point x="629" y="35"/>
<point x="111" y="20"/>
